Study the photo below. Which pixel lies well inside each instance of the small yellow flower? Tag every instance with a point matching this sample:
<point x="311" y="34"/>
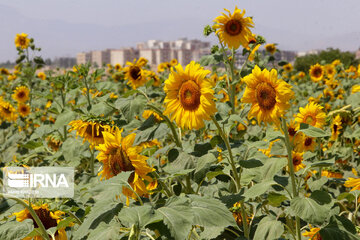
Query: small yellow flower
<point x="21" y="94"/>
<point x="271" y="48"/>
<point x="41" y="75"/>
<point x="22" y="41"/>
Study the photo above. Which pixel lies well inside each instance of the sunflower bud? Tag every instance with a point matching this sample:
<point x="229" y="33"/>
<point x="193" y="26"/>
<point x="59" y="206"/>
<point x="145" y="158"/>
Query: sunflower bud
<point x="208" y="30"/>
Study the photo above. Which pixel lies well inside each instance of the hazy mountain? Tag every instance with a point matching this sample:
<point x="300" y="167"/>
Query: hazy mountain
<point x="61" y="38"/>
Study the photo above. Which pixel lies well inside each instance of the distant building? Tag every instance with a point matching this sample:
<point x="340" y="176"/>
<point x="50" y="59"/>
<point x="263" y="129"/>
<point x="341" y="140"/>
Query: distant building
<point x="83" y="57"/>
<point x="357" y="54"/>
<point x="121" y="56"/>
<point x="100" y="58"/>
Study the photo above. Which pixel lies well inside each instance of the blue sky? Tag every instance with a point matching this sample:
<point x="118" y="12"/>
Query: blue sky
<point x="64" y="27"/>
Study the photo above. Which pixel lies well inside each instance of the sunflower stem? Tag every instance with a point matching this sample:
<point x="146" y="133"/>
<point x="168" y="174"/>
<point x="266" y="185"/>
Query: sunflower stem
<point x="291" y="171"/>
<point x="163" y="185"/>
<point x="92" y="160"/>
<point x="169" y="123"/>
<point x="243" y="217"/>
<point x="32" y="212"/>
<point x="232" y="86"/>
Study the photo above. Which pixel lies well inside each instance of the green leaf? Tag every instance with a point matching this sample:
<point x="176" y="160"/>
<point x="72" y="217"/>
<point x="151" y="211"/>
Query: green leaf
<point x="130" y="107"/>
<point x="268" y="228"/>
<point x="16" y="230"/>
<point x="177" y="216"/>
<point x="101" y="108"/>
<point x="324" y="163"/>
<point x="321" y="197"/>
<point x="339" y="227"/>
<point x="211" y="214"/>
<point x="31" y="145"/>
<point x="317" y="184"/>
<point x="258" y="189"/>
<point x="183" y="162"/>
<point x="251" y="163"/>
<point x="203" y="165"/>
<point x="311" y="131"/>
<point x="272" y="166"/>
<point x="275" y="199"/>
<point x="309" y="210"/>
<point x="63" y="119"/>
<point x="139" y="215"/>
<point x="105" y="231"/>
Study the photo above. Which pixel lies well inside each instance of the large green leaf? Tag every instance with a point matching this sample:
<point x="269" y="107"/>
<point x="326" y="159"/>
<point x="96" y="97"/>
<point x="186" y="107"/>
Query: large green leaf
<point x="211" y="214"/>
<point x="258" y="189"/>
<point x="139" y="215"/>
<point x="268" y="229"/>
<point x="203" y="165"/>
<point x="312" y="131"/>
<point x="108" y="231"/>
<point x="309" y="210"/>
<point x="177" y="216"/>
<point x="339" y="228"/>
<point x="63" y="119"/>
<point x="16" y="230"/>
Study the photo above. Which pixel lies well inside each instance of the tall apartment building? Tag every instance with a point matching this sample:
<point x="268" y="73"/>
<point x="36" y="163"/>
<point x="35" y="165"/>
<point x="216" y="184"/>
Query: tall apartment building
<point x="100" y="58"/>
<point x="83" y="57"/>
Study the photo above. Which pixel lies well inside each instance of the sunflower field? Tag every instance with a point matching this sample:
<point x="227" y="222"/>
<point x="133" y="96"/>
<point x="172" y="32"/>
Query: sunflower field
<point x="211" y="150"/>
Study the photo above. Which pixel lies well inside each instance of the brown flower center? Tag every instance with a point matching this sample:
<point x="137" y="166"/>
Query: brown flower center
<point x="135" y="72"/>
<point x="22" y="41"/>
<point x="308" y="141"/>
<point x="296" y="160"/>
<point x="119" y="161"/>
<point x="266" y="96"/>
<point x="317" y="72"/>
<point x="309" y="120"/>
<point x="335" y="127"/>
<point x="7" y="110"/>
<point x="21" y="94"/>
<point x="233" y="27"/>
<point x="291" y="131"/>
<point x="190" y="95"/>
<point x="45" y="218"/>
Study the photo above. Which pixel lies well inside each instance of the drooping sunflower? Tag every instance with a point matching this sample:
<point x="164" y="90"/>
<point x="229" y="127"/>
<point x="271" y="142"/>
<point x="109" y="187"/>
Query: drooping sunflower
<point x="22" y="41"/>
<point x="312" y="114"/>
<point x="41" y="75"/>
<point x="335" y="128"/>
<point x="234" y="29"/>
<point x="252" y="53"/>
<point x="23" y="109"/>
<point x="54" y="142"/>
<point x="47" y="217"/>
<point x="297" y="158"/>
<point x="117" y="155"/>
<point x="189" y="96"/>
<point x="90" y="131"/>
<point x="354" y="183"/>
<point x="268" y="95"/>
<point x="21" y="94"/>
<point x="271" y="48"/>
<point x="7" y="111"/>
<point x="4" y="71"/>
<point x="134" y="73"/>
<point x="331" y="174"/>
<point x="316" y="72"/>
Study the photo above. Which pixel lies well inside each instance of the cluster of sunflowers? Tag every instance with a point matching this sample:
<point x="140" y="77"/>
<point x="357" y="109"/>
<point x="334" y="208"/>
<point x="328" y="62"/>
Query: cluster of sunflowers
<point x="252" y="151"/>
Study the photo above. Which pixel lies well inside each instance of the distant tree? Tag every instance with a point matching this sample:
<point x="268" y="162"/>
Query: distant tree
<point x="325" y="57"/>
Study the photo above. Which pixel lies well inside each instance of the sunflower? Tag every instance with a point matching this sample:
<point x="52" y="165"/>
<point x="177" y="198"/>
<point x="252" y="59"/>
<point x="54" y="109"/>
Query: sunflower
<point x="331" y="174"/>
<point x="304" y="143"/>
<point x="22" y="41"/>
<point x="313" y="234"/>
<point x="48" y="218"/>
<point x="288" y="67"/>
<point x="7" y="111"/>
<point x="134" y="73"/>
<point x="118" y="67"/>
<point x="117" y="155"/>
<point x="269" y="95"/>
<point x="147" y="113"/>
<point x="316" y="72"/>
<point x="91" y="131"/>
<point x="173" y="62"/>
<point x="292" y="129"/>
<point x="354" y="183"/>
<point x="335" y="128"/>
<point x="41" y="75"/>
<point x="54" y="142"/>
<point x="161" y="67"/>
<point x="312" y="114"/>
<point x="23" y="109"/>
<point x="328" y="93"/>
<point x="301" y="75"/>
<point x="189" y="96"/>
<point x="329" y="70"/>
<point x="4" y="71"/>
<point x="297" y="158"/>
<point x="21" y="94"/>
<point x="233" y="29"/>
<point x="271" y="48"/>
<point x="236" y="211"/>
